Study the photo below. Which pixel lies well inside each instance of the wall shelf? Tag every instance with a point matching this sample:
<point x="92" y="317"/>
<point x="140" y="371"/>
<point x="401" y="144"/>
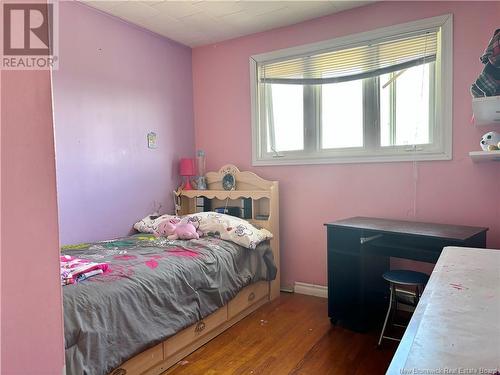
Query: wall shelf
<point x="486" y="110"/>
<point x="481" y="156"/>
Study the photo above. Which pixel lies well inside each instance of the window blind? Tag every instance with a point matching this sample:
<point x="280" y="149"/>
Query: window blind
<point x="353" y="63"/>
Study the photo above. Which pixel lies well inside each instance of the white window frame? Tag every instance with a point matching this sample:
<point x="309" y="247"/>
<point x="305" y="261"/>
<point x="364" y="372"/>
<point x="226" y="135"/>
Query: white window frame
<point x="442" y="134"/>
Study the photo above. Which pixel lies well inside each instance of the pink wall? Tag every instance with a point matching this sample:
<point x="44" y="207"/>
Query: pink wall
<point x="0" y="230"/>
<point x="116" y="83"/>
<point x="456" y="191"/>
<point x="31" y="320"/>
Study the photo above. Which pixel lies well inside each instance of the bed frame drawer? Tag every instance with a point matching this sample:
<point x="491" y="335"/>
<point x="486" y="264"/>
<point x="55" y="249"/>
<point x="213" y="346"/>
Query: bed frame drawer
<point x="247" y="297"/>
<point x="145" y="360"/>
<point x="192" y="333"/>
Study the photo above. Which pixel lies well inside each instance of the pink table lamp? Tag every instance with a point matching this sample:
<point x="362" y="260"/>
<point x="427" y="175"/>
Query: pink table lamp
<point x="186" y="169"/>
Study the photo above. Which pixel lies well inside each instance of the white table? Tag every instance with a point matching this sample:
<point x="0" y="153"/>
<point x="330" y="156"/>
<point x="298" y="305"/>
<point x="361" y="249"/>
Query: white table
<point x="456" y="326"/>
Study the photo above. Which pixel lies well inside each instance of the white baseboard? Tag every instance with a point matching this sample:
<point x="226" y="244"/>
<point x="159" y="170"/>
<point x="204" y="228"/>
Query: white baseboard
<point x="322" y="291"/>
<point x="311" y="289"/>
<point x="287" y="288"/>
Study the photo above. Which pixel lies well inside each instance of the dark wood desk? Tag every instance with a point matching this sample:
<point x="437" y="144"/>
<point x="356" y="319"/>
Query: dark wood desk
<point x="359" y="249"/>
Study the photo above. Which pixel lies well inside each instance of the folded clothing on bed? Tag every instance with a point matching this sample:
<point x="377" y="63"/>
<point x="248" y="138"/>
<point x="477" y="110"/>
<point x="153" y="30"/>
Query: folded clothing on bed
<point x="75" y="269"/>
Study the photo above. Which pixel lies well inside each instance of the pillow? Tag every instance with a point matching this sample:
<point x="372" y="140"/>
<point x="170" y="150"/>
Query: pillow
<point x="150" y="223"/>
<point x="229" y="228"/>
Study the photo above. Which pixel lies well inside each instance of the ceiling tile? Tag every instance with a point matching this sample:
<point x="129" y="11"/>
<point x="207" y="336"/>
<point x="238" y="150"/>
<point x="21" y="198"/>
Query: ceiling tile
<point x="165" y="21"/>
<point x="203" y="23"/>
<point x="177" y="9"/>
<point x="221" y="8"/>
<point x="196" y="23"/>
<point x="345" y="5"/>
<point x="134" y="10"/>
<point x="103" y="5"/>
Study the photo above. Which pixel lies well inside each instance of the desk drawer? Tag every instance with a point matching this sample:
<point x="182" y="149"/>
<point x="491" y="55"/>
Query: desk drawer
<point x="143" y="361"/>
<point x="344" y="240"/>
<point x="247" y="297"/>
<point x="192" y="333"/>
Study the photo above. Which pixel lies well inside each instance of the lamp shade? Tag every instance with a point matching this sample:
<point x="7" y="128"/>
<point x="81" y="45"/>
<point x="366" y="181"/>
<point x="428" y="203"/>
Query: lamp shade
<point x="186" y="167"/>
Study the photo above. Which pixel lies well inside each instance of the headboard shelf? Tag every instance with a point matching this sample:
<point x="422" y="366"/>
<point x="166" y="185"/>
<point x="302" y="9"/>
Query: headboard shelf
<point x="225" y="194"/>
<point x="264" y="196"/>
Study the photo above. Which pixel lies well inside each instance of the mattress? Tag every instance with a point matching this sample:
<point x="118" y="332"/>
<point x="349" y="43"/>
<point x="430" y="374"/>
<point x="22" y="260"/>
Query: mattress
<point x="153" y="288"/>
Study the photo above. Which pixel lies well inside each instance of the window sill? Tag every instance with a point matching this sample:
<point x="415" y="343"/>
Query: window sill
<point x="353" y="159"/>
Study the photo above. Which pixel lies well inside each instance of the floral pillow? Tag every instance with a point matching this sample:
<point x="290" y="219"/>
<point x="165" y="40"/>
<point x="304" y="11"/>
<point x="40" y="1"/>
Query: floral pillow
<point x="229" y="228"/>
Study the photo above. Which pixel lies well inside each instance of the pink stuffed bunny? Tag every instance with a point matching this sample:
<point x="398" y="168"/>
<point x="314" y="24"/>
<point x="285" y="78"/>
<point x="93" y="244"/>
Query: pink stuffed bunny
<point x="177" y="230"/>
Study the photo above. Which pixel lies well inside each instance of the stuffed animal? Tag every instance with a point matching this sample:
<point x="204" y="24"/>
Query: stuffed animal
<point x="174" y="230"/>
<point x="490" y="141"/>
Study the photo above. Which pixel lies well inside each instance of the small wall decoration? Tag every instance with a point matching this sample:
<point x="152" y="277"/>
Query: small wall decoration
<point x="229" y="182"/>
<point x="151" y="140"/>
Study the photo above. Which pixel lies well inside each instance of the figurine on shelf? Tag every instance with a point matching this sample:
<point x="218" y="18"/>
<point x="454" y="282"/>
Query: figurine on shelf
<point x="200" y="181"/>
<point x="490" y="141"/>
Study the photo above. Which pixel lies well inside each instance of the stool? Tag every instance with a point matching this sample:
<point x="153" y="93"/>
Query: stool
<point x="402" y="278"/>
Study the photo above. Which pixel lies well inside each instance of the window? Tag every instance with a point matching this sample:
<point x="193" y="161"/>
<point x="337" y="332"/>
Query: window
<point x="378" y="96"/>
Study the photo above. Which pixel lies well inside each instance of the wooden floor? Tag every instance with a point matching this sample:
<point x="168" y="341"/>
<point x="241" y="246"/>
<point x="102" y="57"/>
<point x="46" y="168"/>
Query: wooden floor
<point x="291" y="335"/>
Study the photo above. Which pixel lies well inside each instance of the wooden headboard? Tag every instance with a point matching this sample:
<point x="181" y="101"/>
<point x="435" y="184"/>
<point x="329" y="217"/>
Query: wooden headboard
<point x="265" y="204"/>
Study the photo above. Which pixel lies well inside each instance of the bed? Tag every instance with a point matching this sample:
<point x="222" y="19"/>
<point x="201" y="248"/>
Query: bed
<point x="161" y="299"/>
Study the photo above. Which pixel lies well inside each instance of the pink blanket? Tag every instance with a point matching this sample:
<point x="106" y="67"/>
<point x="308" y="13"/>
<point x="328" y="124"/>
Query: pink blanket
<point x="74" y="269"/>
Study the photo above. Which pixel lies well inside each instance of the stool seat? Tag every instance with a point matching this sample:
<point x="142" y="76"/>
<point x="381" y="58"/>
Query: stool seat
<point x="406" y="277"/>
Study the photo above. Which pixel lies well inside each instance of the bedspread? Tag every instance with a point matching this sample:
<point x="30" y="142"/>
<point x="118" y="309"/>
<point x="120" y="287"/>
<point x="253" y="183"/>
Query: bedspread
<point x="152" y="289"/>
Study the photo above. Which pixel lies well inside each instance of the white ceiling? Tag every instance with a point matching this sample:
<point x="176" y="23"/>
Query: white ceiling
<point x="196" y="23"/>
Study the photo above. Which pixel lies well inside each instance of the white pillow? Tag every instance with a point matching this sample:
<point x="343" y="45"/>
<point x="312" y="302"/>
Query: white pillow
<point x="229" y="228"/>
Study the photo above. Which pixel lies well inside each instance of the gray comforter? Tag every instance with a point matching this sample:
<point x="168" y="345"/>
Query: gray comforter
<point x="152" y="289"/>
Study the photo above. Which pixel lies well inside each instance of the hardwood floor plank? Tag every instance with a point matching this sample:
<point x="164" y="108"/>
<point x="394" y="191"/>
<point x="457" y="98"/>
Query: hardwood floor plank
<point x="291" y="335"/>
